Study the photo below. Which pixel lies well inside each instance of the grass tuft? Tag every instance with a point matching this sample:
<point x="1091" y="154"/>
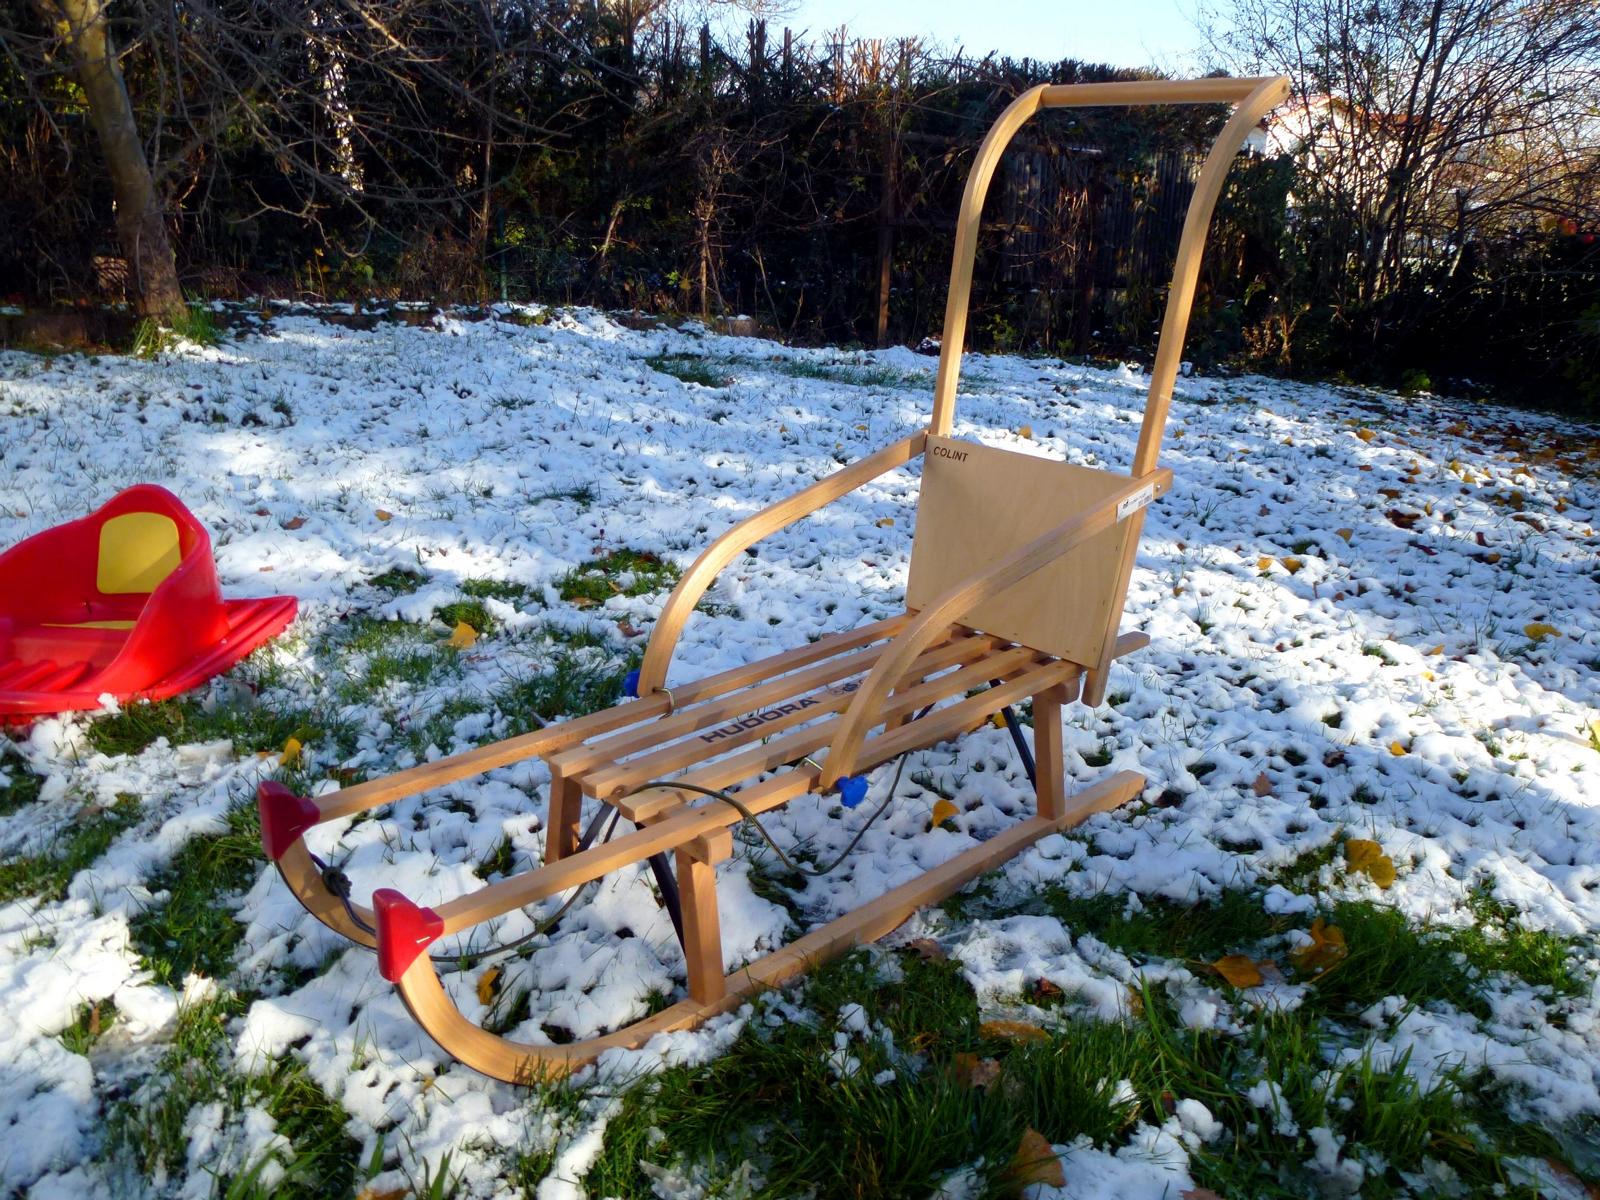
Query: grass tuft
<point x="76" y="847"/>
<point x="195" y="324"/>
<point x="196" y="931"/>
<point x="690" y="368"/>
<point x="619" y="573"/>
<point x="152" y="1127"/>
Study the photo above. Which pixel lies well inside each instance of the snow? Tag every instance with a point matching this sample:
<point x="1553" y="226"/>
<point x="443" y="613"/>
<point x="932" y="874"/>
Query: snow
<point x="1338" y="575"/>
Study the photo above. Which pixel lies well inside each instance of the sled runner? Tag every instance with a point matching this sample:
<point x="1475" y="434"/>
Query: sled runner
<point x="1019" y="570"/>
<point x="122" y="602"/>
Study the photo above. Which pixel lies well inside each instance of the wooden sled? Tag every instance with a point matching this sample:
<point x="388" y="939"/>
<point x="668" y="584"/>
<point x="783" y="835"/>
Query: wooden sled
<point x="1019" y="570"/>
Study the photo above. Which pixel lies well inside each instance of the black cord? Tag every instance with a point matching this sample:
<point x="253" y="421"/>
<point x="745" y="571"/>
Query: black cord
<point x="755" y="822"/>
<point x="338" y="884"/>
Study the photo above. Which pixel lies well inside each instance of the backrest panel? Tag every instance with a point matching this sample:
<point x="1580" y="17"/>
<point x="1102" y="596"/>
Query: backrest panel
<point x="980" y="503"/>
<point x="137" y="551"/>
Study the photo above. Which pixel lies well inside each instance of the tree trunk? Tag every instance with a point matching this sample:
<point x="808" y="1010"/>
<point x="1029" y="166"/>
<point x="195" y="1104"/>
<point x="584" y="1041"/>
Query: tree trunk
<point x="141" y="227"/>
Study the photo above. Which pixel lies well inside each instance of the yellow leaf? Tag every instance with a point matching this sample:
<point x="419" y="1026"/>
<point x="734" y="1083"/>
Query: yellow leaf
<point x="486" y="985"/>
<point x="862" y="428"/>
<point x="1539" y="630"/>
<point x="1239" y="970"/>
<point x="1035" y="1162"/>
<point x="1326" y="948"/>
<point x="1288" y="441"/>
<point x="1366" y="435"/>
<point x="1439" y="649"/>
<point x="1263" y="563"/>
<point x="384" y="514"/>
<point x="1013" y="1031"/>
<point x="943" y="811"/>
<point x="462" y="637"/>
<point x="1346" y="534"/>
<point x="1397" y="748"/>
<point x="885" y="522"/>
<point x="1291" y="564"/>
<point x="1594" y="734"/>
<point x="291" y="752"/>
<point x="1358" y="852"/>
<point x="1381" y="871"/>
<point x="1025" y="431"/>
<point x="399" y="1193"/>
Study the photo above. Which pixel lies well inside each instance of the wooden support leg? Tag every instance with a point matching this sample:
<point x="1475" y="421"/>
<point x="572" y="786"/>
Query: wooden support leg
<point x="1049" y="765"/>
<point x="702" y="931"/>
<point x="564" y="815"/>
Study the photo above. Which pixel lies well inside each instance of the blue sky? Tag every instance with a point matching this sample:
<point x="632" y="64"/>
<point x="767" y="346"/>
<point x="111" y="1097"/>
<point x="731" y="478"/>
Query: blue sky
<point x="1125" y="33"/>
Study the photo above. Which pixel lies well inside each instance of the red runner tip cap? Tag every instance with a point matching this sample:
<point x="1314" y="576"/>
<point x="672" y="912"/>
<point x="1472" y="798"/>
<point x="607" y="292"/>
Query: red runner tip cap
<point x="284" y="817"/>
<point x="404" y="931"/>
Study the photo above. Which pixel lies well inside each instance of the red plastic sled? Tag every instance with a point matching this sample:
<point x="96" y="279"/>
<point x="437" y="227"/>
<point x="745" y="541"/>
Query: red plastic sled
<point x="124" y="601"/>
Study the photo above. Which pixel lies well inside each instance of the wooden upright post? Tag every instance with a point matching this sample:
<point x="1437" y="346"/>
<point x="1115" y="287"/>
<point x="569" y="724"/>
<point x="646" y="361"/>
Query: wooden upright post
<point x="702" y="929"/>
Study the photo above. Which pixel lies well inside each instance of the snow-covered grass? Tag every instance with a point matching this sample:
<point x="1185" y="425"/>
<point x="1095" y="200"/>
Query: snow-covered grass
<point x="1374" y="648"/>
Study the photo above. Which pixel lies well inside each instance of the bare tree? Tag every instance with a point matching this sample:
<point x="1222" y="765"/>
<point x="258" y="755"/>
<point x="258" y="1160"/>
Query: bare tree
<point x="1424" y="123"/>
<point x="82" y="28"/>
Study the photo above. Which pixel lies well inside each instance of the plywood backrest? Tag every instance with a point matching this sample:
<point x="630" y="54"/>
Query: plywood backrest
<point x="980" y="503"/>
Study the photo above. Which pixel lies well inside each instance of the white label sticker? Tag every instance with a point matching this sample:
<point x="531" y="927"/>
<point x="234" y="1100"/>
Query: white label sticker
<point x="1136" y="501"/>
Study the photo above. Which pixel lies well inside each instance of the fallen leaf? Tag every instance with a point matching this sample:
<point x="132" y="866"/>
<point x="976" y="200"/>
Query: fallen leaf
<point x="399" y="1193"/>
<point x="885" y="522"/>
<point x="1263" y="563"/>
<point x="1346" y="534"/>
<point x="383" y="514"/>
<point x="1397" y="748"/>
<point x="294" y="522"/>
<point x="1043" y="989"/>
<point x="1239" y="970"/>
<point x="927" y="949"/>
<point x="291" y="752"/>
<point x="1439" y="649"/>
<point x="942" y="812"/>
<point x="1013" y="1031"/>
<point x="1198" y="1194"/>
<point x="626" y="628"/>
<point x="1381" y="871"/>
<point x="486" y="985"/>
<point x="1035" y="1162"/>
<point x="1539" y="630"/>
<point x="973" y="1072"/>
<point x="1291" y="564"/>
<point x="1365" y="856"/>
<point x="1366" y="435"/>
<point x="1025" y="431"/>
<point x="462" y="637"/>
<point x="1325" y="950"/>
<point x="1262" y="786"/>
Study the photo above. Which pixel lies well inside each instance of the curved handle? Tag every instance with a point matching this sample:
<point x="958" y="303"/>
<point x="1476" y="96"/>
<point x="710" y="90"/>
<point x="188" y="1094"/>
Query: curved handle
<point x="1254" y="98"/>
<point x="695" y="581"/>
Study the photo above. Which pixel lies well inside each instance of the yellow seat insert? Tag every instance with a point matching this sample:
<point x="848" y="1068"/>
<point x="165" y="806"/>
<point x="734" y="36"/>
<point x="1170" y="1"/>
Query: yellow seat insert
<point x="137" y="551"/>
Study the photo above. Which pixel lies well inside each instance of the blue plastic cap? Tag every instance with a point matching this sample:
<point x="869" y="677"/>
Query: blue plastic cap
<point x="630" y="685"/>
<point x="852" y="790"/>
